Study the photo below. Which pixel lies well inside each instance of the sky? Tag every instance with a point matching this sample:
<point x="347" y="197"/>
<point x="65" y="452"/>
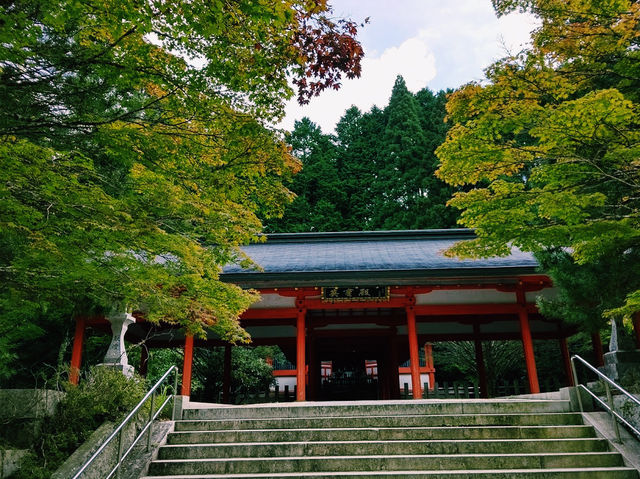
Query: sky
<point x="432" y="43"/>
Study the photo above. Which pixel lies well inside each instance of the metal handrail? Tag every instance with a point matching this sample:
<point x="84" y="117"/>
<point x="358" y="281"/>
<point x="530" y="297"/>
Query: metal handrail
<point x="608" y="383"/>
<point x="147" y="428"/>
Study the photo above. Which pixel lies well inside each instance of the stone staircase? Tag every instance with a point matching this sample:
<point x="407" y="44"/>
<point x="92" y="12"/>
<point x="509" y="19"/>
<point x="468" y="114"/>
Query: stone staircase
<point x="508" y="438"/>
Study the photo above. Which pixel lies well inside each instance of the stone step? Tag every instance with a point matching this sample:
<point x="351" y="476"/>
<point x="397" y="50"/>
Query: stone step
<point x="373" y="408"/>
<point x="537" y="419"/>
<point x="382" y="433"/>
<point x="368" y="448"/>
<point x="582" y="473"/>
<point x="460" y="462"/>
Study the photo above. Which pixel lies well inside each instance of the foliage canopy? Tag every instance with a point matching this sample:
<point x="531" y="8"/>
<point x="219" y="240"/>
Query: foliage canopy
<point x="375" y="172"/>
<point x="135" y="149"/>
<point x="547" y="151"/>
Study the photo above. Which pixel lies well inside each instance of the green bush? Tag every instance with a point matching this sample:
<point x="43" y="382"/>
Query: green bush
<point x="106" y="395"/>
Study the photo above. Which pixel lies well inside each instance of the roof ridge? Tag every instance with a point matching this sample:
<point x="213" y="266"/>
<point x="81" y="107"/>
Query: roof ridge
<point x="328" y="236"/>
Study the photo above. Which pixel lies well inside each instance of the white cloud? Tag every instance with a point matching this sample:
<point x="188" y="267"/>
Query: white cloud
<point x="430" y="43"/>
<point x="412" y="59"/>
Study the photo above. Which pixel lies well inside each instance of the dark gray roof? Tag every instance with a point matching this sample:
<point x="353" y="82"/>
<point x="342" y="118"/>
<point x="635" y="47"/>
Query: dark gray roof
<point x="323" y="258"/>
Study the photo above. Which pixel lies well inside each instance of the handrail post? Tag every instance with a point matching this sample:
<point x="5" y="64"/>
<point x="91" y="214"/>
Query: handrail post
<point x="611" y="406"/>
<point x="577" y="384"/>
<point x="153" y="397"/>
<point x="119" y="453"/>
<point x="175" y="394"/>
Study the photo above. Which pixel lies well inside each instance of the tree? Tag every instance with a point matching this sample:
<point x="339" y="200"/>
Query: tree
<point x="377" y="172"/>
<point x="359" y="143"/>
<point x="134" y="152"/>
<point x="586" y="291"/>
<point x="548" y="149"/>
<point x="318" y="186"/>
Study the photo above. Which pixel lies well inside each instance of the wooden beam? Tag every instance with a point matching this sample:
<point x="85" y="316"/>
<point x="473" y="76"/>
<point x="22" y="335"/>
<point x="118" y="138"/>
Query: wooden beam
<point x="76" y="354"/>
<point x="636" y="328"/>
<point x="527" y="345"/>
<point x="414" y="358"/>
<point x="596" y="343"/>
<point x="187" y="364"/>
<point x="226" y="375"/>
<point x="566" y="359"/>
<point x="300" y="356"/>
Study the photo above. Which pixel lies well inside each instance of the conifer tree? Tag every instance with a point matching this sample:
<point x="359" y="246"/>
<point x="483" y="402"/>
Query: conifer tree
<point x="376" y="173"/>
<point x="318" y="187"/>
<point x="359" y="142"/>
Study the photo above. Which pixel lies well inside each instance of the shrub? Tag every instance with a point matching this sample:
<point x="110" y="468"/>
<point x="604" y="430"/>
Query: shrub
<point x="106" y="395"/>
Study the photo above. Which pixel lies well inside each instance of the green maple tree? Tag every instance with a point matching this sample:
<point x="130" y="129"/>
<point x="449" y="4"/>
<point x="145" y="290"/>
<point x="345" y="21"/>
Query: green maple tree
<point x="547" y="150"/>
<point x="134" y="150"/>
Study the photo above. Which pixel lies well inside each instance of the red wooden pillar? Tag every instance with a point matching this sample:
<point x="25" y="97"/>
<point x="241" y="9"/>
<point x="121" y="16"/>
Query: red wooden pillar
<point x="186" y="366"/>
<point x="527" y="344"/>
<point x="482" y="370"/>
<point x="76" y="353"/>
<point x="598" y="352"/>
<point x="636" y="328"/>
<point x="564" y="348"/>
<point x="394" y="373"/>
<point x="226" y="375"/>
<point x="300" y="357"/>
<point x="414" y="358"/>
<point x="144" y="360"/>
<point x="428" y="357"/>
<point x="314" y="374"/>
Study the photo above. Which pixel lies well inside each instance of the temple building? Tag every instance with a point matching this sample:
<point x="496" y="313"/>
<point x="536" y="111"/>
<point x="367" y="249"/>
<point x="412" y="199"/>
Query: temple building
<point x="372" y="303"/>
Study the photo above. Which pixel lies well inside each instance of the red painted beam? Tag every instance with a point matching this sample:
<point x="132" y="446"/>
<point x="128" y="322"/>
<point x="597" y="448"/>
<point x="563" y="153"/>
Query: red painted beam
<point x="393" y="302"/>
<point x="469" y="309"/>
<point x="275" y="313"/>
<point x="423" y="370"/>
<point x="528" y="283"/>
<point x="293" y="373"/>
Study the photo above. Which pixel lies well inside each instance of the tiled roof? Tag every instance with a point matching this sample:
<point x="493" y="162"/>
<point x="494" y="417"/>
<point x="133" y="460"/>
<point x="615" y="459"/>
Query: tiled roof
<point x="388" y="252"/>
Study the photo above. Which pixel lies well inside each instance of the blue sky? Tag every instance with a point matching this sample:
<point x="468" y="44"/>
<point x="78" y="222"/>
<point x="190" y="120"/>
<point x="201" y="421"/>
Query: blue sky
<point x="435" y="43"/>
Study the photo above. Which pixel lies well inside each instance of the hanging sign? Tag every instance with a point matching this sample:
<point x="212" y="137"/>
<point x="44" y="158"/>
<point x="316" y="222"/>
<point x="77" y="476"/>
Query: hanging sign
<point x="339" y="294"/>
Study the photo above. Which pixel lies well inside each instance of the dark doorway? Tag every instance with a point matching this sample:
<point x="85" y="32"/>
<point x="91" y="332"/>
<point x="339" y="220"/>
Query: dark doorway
<point x="349" y="368"/>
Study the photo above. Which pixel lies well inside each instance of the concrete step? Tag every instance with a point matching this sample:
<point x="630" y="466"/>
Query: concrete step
<point x="459" y="462"/>
<point x="429" y="439"/>
<point x="379" y="408"/>
<point x="582" y="473"/>
<point x="369" y="448"/>
<point x="372" y="420"/>
<point x="381" y="433"/>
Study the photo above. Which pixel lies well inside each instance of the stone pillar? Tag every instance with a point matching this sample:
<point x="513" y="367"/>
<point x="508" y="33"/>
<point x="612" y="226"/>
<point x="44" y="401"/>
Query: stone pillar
<point x="116" y="356"/>
<point x="622" y="357"/>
